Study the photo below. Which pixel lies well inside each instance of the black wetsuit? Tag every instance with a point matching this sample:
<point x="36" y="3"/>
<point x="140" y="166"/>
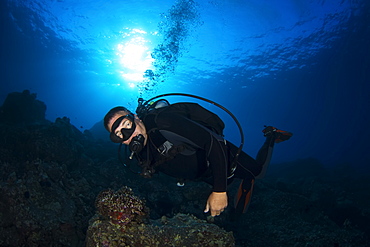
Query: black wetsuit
<point x="199" y="153"/>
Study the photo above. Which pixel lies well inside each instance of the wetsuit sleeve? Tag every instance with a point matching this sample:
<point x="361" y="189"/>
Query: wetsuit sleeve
<point x="203" y="139"/>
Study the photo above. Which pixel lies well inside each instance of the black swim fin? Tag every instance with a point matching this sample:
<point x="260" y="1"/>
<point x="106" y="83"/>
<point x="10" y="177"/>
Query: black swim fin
<point x="244" y="195"/>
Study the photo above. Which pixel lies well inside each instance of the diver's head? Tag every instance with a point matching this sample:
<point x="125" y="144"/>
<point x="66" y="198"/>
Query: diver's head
<point x="123" y="125"/>
<point x="112" y="113"/>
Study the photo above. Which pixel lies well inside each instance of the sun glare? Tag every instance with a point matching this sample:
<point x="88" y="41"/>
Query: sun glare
<point x="134" y="56"/>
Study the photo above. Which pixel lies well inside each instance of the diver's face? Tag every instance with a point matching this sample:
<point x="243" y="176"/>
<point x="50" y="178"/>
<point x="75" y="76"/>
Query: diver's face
<point x="127" y="127"/>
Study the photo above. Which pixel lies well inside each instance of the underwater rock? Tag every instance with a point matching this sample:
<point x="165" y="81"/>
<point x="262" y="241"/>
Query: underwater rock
<point x="51" y="142"/>
<point x="121" y="221"/>
<point x="21" y="108"/>
<point x="59" y="142"/>
<point x="37" y="205"/>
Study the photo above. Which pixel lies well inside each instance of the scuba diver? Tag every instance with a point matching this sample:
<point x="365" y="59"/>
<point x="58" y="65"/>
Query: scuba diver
<point x="185" y="141"/>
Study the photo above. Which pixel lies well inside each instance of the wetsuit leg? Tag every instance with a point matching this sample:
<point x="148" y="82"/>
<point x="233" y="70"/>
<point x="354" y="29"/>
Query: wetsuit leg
<point x="264" y="155"/>
<point x="244" y="194"/>
<point x="248" y="169"/>
<point x="245" y="165"/>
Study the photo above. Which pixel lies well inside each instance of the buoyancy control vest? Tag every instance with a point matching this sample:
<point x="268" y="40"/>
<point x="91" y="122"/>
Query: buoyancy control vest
<point x="170" y="144"/>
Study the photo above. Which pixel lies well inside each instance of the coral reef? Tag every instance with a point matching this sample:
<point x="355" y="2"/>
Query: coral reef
<point x="121" y="207"/>
<point x="53" y="178"/>
<point x="39" y="205"/>
<point x="120" y="222"/>
<point x="181" y="230"/>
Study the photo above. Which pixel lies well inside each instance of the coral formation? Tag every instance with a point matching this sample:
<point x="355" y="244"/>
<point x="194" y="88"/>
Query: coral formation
<point x="181" y="230"/>
<point x="20" y="108"/>
<point x="120" y="222"/>
<point x="121" y="207"/>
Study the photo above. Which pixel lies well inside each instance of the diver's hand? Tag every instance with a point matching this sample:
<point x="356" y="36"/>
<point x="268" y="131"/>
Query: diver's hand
<point x="217" y="202"/>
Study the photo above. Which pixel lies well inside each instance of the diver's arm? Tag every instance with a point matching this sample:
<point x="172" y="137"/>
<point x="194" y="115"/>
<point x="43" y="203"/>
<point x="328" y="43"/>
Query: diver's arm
<point x="216" y="203"/>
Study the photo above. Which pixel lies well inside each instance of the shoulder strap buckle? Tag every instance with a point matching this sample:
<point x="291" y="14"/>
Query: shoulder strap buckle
<point x="163" y="149"/>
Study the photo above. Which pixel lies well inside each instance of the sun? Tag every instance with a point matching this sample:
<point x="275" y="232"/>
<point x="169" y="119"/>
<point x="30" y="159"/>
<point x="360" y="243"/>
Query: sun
<point x="134" y="56"/>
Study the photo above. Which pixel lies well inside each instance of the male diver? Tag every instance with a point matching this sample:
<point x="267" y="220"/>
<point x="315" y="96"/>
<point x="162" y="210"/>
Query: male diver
<point x="171" y="140"/>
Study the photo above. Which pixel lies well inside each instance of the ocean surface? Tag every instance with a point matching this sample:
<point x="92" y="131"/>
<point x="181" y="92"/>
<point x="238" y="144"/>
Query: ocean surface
<point x="301" y="66"/>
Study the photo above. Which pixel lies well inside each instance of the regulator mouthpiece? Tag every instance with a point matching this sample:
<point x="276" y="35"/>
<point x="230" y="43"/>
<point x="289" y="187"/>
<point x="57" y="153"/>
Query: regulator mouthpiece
<point x="136" y="145"/>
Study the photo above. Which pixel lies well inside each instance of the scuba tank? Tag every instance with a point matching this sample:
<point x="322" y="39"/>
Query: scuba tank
<point x="144" y="107"/>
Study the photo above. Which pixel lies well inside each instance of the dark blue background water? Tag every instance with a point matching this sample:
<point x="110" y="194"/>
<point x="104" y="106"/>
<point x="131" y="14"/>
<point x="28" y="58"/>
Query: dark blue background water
<point x="302" y="66"/>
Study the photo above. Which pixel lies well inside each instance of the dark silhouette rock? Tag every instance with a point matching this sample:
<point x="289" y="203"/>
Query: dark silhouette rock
<point x="22" y="108"/>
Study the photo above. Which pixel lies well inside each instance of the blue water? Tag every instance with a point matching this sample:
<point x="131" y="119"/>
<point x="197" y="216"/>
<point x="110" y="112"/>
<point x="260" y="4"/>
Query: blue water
<point x="301" y="66"/>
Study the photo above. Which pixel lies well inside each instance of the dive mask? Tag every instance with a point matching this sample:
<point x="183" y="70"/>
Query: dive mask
<point x="126" y="132"/>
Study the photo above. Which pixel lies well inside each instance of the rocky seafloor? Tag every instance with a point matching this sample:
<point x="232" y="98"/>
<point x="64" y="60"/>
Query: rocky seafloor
<point x="63" y="187"/>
